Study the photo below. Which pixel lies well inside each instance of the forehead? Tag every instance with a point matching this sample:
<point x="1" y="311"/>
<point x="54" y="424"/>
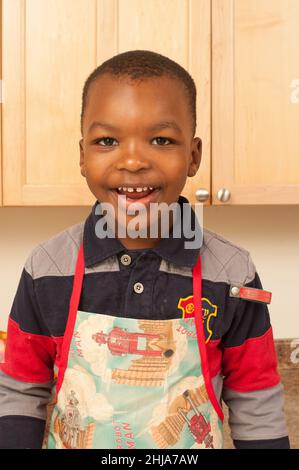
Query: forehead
<point x="123" y="101"/>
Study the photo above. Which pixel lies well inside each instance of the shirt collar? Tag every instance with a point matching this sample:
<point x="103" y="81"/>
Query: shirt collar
<point x="171" y="249"/>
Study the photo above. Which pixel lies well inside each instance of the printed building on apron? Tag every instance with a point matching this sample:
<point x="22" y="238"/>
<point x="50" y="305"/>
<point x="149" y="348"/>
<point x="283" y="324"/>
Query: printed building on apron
<point x="146" y="367"/>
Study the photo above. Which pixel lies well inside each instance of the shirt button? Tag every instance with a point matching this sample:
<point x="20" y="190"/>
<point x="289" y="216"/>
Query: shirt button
<point x="125" y="260"/>
<point x="138" y="288"/>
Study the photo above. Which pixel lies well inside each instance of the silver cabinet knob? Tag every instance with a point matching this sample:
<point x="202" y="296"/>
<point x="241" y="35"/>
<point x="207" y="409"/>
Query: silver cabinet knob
<point x="202" y="195"/>
<point x="223" y="195"/>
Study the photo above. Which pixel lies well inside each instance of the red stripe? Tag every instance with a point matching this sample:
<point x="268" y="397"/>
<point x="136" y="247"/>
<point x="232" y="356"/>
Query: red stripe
<point x="252" y="365"/>
<point x="28" y="357"/>
<point x="197" y="281"/>
<point x="214" y="353"/>
<point x="74" y="304"/>
<point x="58" y="342"/>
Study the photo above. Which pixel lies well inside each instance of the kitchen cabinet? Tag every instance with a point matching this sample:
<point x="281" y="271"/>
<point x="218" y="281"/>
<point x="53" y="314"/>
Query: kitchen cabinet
<point x="49" y="49"/>
<point x="255" y="101"/>
<point x="242" y="54"/>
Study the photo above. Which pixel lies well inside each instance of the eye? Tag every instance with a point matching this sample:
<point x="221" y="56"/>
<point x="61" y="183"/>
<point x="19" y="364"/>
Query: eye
<point x="107" y="141"/>
<point x="163" y="139"/>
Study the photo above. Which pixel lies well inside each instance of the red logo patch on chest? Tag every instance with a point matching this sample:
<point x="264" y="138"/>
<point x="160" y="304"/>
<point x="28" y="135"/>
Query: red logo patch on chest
<point x="209" y="310"/>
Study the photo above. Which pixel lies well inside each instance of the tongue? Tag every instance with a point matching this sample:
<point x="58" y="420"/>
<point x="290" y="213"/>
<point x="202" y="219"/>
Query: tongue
<point x="136" y="195"/>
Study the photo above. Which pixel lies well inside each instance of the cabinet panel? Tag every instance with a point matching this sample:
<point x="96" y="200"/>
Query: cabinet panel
<point x="181" y="30"/>
<point x="49" y="49"/>
<point x="255" y="109"/>
<point x="45" y="62"/>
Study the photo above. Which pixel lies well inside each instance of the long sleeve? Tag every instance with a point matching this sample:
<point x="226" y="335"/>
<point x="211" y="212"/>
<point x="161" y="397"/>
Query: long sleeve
<point x="252" y="388"/>
<point x="26" y="376"/>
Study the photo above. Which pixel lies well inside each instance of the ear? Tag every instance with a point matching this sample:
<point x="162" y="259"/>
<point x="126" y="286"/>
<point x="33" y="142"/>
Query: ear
<point x="196" y="152"/>
<point x="82" y="166"/>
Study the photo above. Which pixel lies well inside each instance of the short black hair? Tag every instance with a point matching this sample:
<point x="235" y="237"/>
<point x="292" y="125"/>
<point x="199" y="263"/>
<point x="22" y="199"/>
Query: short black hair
<point x="141" y="64"/>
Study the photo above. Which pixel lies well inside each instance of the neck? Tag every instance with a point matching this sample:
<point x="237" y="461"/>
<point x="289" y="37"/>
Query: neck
<point x="145" y="242"/>
<point x="139" y="243"/>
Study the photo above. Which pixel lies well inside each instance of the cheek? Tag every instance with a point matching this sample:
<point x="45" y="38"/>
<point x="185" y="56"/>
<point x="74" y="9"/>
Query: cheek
<point x="177" y="172"/>
<point x="94" y="168"/>
<point x="177" y="163"/>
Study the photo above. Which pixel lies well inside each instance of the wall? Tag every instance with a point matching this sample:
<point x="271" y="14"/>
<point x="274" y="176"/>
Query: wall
<point x="270" y="233"/>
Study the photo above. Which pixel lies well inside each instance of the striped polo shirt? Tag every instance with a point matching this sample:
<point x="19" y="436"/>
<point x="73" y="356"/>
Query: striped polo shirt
<point x="238" y="333"/>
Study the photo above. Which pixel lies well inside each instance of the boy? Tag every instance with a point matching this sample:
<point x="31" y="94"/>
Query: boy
<point x="148" y="336"/>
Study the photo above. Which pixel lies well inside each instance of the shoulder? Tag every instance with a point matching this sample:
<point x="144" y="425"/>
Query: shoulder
<point x="224" y="261"/>
<point x="57" y="255"/>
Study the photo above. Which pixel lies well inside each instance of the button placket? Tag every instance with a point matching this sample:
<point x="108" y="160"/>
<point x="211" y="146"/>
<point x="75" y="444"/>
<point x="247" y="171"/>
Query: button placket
<point x="142" y="274"/>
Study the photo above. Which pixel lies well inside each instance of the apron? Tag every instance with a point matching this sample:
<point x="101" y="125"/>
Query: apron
<point x="126" y="383"/>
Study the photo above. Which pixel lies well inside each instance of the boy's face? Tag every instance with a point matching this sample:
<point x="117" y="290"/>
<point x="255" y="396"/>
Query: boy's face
<point x="135" y="152"/>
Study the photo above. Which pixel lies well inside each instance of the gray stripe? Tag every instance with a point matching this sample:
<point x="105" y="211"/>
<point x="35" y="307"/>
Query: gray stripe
<point x="221" y="261"/>
<point x="217" y="383"/>
<point x="256" y="415"/>
<point x="22" y="398"/>
<point x="58" y="255"/>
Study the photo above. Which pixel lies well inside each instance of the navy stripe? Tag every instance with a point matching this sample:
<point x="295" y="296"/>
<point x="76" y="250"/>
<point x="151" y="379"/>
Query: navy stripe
<point x="26" y="310"/>
<point x="41" y="305"/>
<point x="280" y="443"/>
<point x="21" y="432"/>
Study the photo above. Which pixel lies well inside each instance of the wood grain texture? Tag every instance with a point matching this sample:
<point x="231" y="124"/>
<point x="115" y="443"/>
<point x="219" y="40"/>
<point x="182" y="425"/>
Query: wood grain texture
<point x="49" y="49"/>
<point x="255" y="58"/>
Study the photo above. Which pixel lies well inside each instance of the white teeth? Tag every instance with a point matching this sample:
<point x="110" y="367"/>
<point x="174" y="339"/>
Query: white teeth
<point x="138" y="190"/>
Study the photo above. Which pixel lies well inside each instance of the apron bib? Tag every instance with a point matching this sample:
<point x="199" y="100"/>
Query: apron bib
<point x="125" y="383"/>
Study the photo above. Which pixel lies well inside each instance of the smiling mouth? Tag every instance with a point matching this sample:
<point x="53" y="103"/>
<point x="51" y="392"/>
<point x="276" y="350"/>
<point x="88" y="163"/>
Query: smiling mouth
<point x="136" y="192"/>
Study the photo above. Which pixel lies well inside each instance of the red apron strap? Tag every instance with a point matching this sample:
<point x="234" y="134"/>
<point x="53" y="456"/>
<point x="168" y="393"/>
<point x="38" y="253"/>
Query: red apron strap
<point x="197" y="295"/>
<point x="73" y="308"/>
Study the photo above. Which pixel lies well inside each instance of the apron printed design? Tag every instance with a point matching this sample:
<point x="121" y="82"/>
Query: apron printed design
<point x="67" y="426"/>
<point x="125" y="383"/>
<point x="152" y="346"/>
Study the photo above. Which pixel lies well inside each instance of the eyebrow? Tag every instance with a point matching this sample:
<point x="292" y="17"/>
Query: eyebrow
<point x="155" y="127"/>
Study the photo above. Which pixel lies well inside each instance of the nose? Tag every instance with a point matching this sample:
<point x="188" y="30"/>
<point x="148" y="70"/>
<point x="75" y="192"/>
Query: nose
<point x="133" y="160"/>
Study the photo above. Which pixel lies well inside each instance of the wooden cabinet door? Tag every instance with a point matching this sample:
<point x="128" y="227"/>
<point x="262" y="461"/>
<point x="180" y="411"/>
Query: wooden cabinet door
<point x="49" y="49"/>
<point x="255" y="101"/>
